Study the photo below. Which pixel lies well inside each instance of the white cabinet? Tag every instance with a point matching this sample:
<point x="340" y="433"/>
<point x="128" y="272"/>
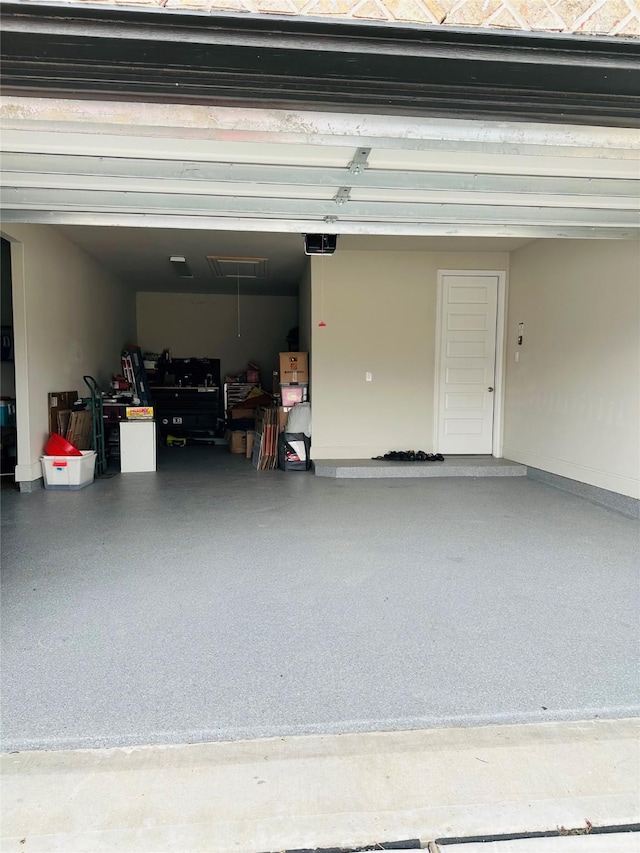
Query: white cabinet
<point x="137" y="446"/>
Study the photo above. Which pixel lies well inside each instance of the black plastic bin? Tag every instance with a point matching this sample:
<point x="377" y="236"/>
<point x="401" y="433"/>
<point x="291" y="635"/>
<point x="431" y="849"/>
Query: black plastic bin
<point x="294" y="451"/>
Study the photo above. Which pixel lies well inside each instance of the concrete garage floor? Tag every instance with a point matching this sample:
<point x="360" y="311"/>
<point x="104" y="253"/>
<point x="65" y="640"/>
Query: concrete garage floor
<point x="210" y="602"/>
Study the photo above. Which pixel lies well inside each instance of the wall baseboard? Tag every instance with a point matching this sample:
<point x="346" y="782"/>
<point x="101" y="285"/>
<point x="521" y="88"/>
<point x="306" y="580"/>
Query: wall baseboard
<point x="28" y="473"/>
<point x="591" y="475"/>
<point x="611" y="500"/>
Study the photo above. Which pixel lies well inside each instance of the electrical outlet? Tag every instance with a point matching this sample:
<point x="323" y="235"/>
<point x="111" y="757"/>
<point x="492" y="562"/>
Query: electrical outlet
<point x="368" y="377"/>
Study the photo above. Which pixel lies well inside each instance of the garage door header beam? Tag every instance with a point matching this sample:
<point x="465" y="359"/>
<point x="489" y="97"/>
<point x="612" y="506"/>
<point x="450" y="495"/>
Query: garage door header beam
<point x="269" y="61"/>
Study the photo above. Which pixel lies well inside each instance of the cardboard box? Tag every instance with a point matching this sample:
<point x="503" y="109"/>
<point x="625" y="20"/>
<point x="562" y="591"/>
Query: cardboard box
<point x="60" y="403"/>
<point x="80" y="430"/>
<point x="238" y="442"/>
<point x="259" y="419"/>
<point x="64" y="418"/>
<point x="265" y="445"/>
<point x="238" y="414"/>
<point x="294" y="367"/>
<point x="283" y="417"/>
<point x="250" y="440"/>
<point x="139" y="413"/>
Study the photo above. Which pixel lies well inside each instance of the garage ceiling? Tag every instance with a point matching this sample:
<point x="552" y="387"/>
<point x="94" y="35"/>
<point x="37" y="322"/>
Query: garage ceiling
<point x="240" y="169"/>
<point x="140" y="256"/>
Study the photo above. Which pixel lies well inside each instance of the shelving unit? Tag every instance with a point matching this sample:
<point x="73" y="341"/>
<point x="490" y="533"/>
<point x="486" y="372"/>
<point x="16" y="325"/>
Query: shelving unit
<point x="236" y="393"/>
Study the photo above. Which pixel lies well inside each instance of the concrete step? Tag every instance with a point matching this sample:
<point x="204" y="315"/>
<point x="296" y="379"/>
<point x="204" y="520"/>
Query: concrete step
<point x="453" y="466"/>
<point x="328" y="791"/>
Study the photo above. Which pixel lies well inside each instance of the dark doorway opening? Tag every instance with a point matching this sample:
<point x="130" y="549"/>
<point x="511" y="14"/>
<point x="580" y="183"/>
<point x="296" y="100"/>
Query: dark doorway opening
<point x="8" y="432"/>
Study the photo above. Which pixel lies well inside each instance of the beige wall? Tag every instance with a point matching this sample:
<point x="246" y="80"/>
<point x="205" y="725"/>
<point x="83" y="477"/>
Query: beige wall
<point x="206" y="325"/>
<point x="573" y="399"/>
<point x="71" y="318"/>
<point x="380" y="311"/>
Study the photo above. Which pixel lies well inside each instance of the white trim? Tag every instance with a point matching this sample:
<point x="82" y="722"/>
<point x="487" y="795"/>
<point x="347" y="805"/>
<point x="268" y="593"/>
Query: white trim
<point x="500" y="369"/>
<point x="437" y="359"/>
<point x="20" y="356"/>
<point x="500" y="372"/>
<point x="29" y="473"/>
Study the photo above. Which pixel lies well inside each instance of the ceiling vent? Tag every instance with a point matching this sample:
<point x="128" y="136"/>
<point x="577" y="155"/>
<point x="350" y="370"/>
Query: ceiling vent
<point x="238" y="267"/>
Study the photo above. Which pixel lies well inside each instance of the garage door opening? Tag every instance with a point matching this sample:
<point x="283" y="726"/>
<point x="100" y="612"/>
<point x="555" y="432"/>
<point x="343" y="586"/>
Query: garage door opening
<point x="211" y="317"/>
<point x="367" y="317"/>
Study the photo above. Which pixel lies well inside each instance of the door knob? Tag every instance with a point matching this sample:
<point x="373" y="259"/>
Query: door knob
<point x="489" y="389"/>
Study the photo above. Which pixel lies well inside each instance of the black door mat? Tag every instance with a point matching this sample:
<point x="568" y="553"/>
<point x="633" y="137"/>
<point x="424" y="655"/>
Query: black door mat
<point x="410" y="456"/>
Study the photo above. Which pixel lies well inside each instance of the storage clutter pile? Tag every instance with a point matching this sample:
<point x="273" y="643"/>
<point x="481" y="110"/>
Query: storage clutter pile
<point x="69" y="459"/>
<point x="76" y="451"/>
<point x="273" y="430"/>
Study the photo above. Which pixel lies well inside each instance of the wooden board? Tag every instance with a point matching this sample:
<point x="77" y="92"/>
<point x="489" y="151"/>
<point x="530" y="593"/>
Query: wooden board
<point x="265" y="450"/>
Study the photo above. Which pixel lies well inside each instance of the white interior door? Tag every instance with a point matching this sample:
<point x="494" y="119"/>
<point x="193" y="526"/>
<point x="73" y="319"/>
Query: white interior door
<point x="466" y="362"/>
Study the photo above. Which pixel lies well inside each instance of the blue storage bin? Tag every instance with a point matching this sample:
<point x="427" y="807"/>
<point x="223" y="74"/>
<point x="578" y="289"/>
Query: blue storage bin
<point x="8" y="412"/>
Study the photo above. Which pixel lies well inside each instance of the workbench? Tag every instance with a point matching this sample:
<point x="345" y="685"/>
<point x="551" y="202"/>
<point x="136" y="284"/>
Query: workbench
<point x="190" y="412"/>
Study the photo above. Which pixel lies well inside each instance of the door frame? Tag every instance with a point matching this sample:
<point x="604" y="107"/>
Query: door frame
<point x="501" y="330"/>
<point x="25" y="469"/>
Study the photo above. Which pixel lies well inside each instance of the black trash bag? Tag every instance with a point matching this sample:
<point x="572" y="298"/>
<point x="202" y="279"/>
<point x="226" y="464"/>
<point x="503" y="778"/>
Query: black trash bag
<point x="294" y="451"/>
